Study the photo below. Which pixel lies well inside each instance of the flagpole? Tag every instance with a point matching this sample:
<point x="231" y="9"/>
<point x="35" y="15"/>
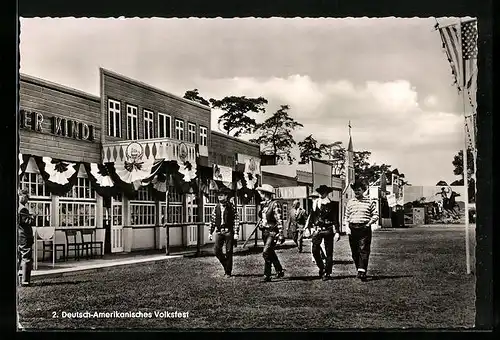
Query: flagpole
<point x="465" y="172"/>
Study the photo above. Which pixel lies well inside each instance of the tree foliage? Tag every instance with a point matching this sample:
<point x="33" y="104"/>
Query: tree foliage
<point x="309" y="149"/>
<point x="335" y="154"/>
<point x="234" y="119"/>
<point x="458" y="163"/>
<point x="275" y="135"/>
<point x="194" y="95"/>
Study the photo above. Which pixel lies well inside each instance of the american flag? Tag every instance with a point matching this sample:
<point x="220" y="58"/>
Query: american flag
<point x="460" y="43"/>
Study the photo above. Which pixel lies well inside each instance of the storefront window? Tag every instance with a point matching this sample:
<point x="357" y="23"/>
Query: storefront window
<point x="40" y="202"/>
<point x="35" y="184"/>
<point x="250" y="214"/>
<point x="175" y="213"/>
<point x="142" y="214"/>
<point x="78" y="207"/>
<point x="207" y="213"/>
<point x="143" y="208"/>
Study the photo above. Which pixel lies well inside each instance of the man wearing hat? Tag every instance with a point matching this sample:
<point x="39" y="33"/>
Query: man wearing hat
<point x="272" y="230"/>
<point x="313" y="196"/>
<point x="296" y="224"/>
<point x="360" y="214"/>
<point x="324" y="218"/>
<point x="224" y="221"/>
<point x="25" y="238"/>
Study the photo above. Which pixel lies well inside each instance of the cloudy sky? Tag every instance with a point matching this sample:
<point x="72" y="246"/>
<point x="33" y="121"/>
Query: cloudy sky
<point x="390" y="77"/>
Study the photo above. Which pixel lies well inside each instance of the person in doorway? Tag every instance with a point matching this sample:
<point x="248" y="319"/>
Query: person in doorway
<point x="272" y="230"/>
<point x="360" y="214"/>
<point x="25" y="238"/>
<point x="326" y="228"/>
<point x="296" y="224"/>
<point x="224" y="222"/>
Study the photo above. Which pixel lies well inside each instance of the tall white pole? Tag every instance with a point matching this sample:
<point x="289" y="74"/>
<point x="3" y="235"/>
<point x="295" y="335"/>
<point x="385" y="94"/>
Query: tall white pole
<point x="465" y="170"/>
<point x="466" y="197"/>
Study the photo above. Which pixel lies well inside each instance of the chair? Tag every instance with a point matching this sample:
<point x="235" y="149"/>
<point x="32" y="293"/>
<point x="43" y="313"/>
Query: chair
<point x="90" y="245"/>
<point x="47" y="236"/>
<point x="72" y="243"/>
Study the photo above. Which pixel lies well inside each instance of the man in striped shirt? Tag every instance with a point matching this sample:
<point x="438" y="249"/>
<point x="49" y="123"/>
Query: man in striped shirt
<point x="272" y="230"/>
<point x="360" y="214"/>
<point x="225" y="223"/>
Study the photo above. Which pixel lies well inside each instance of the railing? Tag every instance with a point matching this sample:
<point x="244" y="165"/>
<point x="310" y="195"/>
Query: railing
<point x="158" y="148"/>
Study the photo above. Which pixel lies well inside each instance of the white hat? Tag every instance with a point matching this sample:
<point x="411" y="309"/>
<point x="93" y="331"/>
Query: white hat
<point x="266" y="188"/>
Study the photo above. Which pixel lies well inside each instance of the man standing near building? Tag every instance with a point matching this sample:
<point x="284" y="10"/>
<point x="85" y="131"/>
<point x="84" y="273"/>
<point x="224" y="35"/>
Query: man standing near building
<point x="325" y="228"/>
<point x="224" y="221"/>
<point x="272" y="230"/>
<point x="25" y="238"/>
<point x="360" y="214"/>
<point x="296" y="223"/>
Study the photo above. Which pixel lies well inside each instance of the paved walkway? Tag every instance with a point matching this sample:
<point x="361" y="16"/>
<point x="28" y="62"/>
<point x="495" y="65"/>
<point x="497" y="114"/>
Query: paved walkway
<point x="46" y="270"/>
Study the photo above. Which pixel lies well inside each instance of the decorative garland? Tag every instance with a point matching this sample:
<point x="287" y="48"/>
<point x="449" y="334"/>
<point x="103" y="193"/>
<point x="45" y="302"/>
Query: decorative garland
<point x="23" y="163"/>
<point x="59" y="176"/>
<point x="100" y="179"/>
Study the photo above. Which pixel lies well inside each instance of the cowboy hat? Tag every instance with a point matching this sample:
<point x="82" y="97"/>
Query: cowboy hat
<point x="323" y="189"/>
<point x="266" y="188"/>
<point x="358" y="184"/>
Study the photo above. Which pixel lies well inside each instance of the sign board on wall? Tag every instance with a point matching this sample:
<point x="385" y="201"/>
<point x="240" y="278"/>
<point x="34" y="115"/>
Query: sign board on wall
<point x="222" y="173"/>
<point x="252" y="163"/>
<point x="322" y="174"/>
<point x="291" y="192"/>
<point x="63" y="127"/>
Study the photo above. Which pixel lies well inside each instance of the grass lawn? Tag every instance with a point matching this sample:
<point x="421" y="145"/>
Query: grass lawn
<point x="416" y="280"/>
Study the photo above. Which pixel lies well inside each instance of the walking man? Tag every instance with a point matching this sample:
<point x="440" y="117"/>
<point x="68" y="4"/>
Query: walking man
<point x="296" y="224"/>
<point x="224" y="221"/>
<point x="272" y="230"/>
<point x="314" y="196"/>
<point x="325" y="228"/>
<point x="25" y="238"/>
<point x="360" y="214"/>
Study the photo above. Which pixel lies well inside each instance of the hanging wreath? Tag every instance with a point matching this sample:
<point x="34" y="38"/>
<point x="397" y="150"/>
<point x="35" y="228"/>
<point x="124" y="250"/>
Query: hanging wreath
<point x="59" y="176"/>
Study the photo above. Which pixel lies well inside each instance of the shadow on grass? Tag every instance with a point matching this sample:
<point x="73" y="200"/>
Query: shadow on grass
<point x="248" y="275"/>
<point x="59" y="283"/>
<point x="385" y="277"/>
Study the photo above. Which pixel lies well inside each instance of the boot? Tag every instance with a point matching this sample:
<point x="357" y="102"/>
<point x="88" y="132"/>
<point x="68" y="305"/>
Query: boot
<point x="26" y="273"/>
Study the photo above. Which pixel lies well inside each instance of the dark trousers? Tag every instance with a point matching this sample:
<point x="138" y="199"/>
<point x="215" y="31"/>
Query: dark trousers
<point x="298" y="237"/>
<point x="327" y="237"/>
<point x="360" y="241"/>
<point x="25" y="252"/>
<point x="270" y="257"/>
<point x="225" y="259"/>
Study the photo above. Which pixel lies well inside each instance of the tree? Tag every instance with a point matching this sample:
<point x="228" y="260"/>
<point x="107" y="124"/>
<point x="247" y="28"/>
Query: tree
<point x="372" y="173"/>
<point x="235" y="119"/>
<point x="458" y="163"/>
<point x="335" y="154"/>
<point x="195" y="96"/>
<point x="309" y="149"/>
<point x="361" y="164"/>
<point x="275" y="135"/>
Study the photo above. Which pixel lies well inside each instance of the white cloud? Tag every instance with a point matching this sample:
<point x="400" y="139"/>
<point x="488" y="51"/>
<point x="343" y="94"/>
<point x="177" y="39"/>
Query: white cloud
<point x="386" y="119"/>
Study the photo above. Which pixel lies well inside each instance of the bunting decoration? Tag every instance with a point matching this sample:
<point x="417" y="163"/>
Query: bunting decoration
<point x="134" y="172"/>
<point x="100" y="179"/>
<point x="23" y="163"/>
<point x="59" y="176"/>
